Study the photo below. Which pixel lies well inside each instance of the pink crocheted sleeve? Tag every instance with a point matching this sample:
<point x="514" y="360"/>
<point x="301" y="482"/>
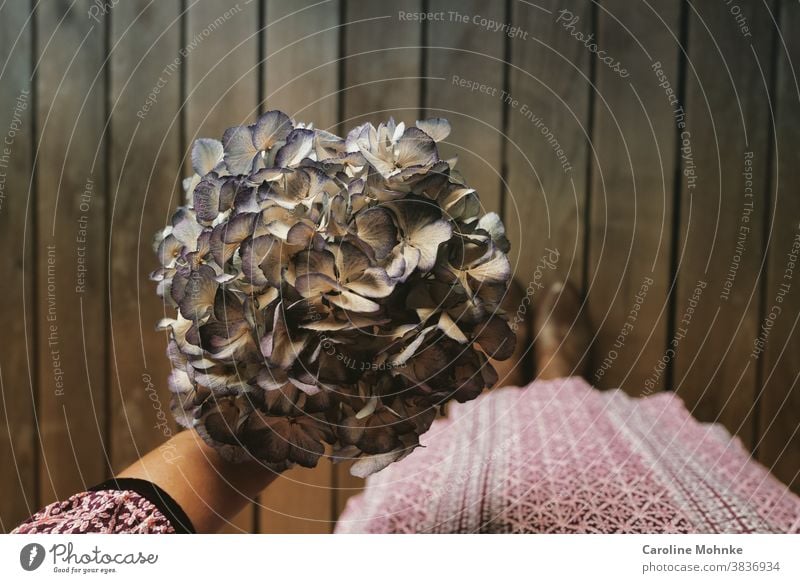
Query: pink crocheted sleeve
<point x="123" y="506"/>
<point x="561" y="456"/>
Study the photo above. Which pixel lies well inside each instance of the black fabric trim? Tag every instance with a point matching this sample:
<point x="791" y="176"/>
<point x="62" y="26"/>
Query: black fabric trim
<point x="157" y="496"/>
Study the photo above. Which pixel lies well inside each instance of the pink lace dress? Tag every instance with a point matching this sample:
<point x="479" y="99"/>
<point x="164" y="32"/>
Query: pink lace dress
<point x="118" y="506"/>
<point x="562" y="457"/>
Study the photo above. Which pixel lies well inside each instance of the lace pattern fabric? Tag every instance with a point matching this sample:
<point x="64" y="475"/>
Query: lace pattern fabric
<point x="103" y="511"/>
<point x="562" y="457"/>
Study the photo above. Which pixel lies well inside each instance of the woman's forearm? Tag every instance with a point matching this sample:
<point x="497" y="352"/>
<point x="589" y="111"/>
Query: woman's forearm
<point x="210" y="490"/>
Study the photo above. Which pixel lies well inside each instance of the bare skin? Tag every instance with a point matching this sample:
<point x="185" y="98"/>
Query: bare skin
<point x="210" y="490"/>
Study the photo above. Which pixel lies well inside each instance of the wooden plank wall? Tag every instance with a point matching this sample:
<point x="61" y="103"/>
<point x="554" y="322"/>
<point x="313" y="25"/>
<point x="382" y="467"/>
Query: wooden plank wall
<point x="71" y="269"/>
<point x="776" y="417"/>
<point x="631" y="186"/>
<point x="18" y="442"/>
<point x="721" y="224"/>
<point x="545" y="197"/>
<point x="647" y="210"/>
<point x="144" y="166"/>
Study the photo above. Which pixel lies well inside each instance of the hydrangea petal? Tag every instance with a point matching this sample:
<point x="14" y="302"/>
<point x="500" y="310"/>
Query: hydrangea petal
<point x="415" y="148"/>
<point x="207" y="154"/>
<point x="299" y="144"/>
<point x="353" y="302"/>
<point x="239" y="149"/>
<point x="375" y="226"/>
<point x="437" y="128"/>
<point x="272" y="127"/>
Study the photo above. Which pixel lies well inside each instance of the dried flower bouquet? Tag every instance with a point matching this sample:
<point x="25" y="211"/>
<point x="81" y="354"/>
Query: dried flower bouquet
<point x="329" y="290"/>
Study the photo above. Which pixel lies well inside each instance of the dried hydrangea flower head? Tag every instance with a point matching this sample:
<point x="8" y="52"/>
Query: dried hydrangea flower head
<point x="328" y="290"/>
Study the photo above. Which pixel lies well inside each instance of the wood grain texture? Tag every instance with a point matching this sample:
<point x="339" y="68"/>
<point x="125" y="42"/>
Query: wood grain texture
<point x="547" y="148"/>
<point x="300" y="501"/>
<point x="82" y="357"/>
<point x="221" y="60"/>
<point x="71" y="224"/>
<point x="301" y="78"/>
<point x="17" y="422"/>
<point x="302" y="60"/>
<point x="145" y="178"/>
<point x="779" y="420"/>
<point x="457" y="49"/>
<point x="382" y="62"/>
<point x="382" y="68"/>
<point x="632" y="174"/>
<point x="720" y="224"/>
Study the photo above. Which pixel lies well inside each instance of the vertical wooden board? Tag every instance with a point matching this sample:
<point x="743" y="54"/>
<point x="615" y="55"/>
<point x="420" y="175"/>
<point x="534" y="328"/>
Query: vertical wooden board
<point x="779" y="424"/>
<point x="382" y="70"/>
<point x="221" y="60"/>
<point x="721" y="238"/>
<point x="302" y="60"/>
<point x="460" y="48"/>
<point x="17" y="453"/>
<point x="299" y="501"/>
<point x="145" y="174"/>
<point x="220" y="56"/>
<point x="301" y="78"/>
<point x="242" y="523"/>
<point x="632" y="182"/>
<point x="382" y="58"/>
<point x="547" y="148"/>
<point x="71" y="253"/>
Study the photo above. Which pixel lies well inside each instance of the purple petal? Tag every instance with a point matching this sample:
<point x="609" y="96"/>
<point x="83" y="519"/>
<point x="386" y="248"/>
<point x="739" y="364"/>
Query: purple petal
<point x="311" y="261"/>
<point x="206" y="199"/>
<point x="375" y="226"/>
<point x="206" y="155"/>
<point x="368" y="465"/>
<point x="437" y="128"/>
<point x="427" y="240"/>
<point x="496" y="338"/>
<point x="415" y="148"/>
<point x="270" y="128"/>
<point x="373" y="283"/>
<point x="239" y="149"/>
<point x="353" y="302"/>
<point x="299" y="145"/>
<point x="199" y="294"/>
